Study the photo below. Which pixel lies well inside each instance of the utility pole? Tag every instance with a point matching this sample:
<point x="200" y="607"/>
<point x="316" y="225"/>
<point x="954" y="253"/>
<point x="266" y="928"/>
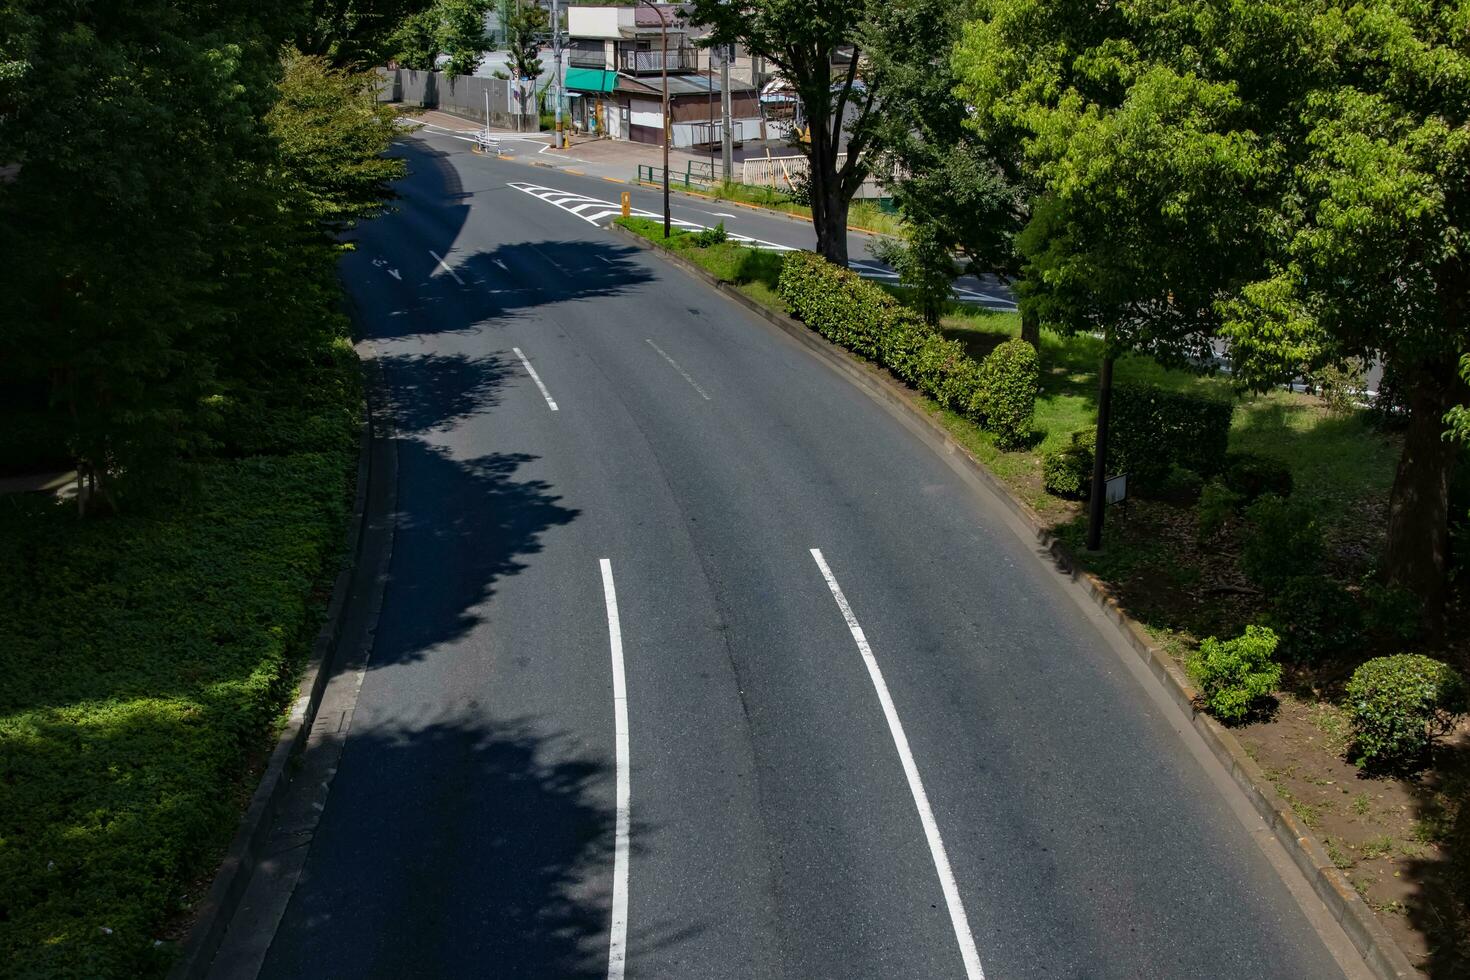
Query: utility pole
<point x="664" y="25"/>
<point x="727" y="143"/>
<point x="556" y="61"/>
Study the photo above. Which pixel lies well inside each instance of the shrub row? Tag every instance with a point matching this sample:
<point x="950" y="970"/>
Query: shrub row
<point x="998" y="393"/>
<point x="1153" y="429"/>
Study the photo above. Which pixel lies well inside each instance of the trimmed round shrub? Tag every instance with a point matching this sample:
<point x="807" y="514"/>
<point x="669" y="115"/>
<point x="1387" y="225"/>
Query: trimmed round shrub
<point x="1252" y="475"/>
<point x="1234" y="675"/>
<point x="1284" y="541"/>
<point x="1068" y="472"/>
<point x="1314" y="617"/>
<point x="1006" y="392"/>
<point x="1399" y="705"/>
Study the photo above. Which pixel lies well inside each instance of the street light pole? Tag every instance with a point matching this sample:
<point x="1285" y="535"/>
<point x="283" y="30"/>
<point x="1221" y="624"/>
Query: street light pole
<point x="664" y="25"/>
<point x="556" y="61"/>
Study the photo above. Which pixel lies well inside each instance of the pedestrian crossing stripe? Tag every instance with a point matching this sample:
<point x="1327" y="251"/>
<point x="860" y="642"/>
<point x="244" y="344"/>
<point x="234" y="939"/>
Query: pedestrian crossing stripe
<point x="595" y="211"/>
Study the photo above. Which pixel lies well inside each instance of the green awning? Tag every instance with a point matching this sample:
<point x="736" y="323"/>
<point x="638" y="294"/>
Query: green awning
<point x="591" y="80"/>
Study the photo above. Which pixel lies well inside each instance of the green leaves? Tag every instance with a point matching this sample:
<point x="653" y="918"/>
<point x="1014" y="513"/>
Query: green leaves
<point x="1400" y="705"/>
<point x="1236" y="674"/>
<point x="998" y="393"/>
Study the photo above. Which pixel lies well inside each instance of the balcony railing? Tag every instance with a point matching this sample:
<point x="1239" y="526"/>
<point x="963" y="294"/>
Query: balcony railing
<point x="587" y="59"/>
<point x="645" y="62"/>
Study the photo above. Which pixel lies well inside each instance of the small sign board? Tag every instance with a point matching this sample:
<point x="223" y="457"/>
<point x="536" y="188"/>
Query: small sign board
<point x="1116" y="489"/>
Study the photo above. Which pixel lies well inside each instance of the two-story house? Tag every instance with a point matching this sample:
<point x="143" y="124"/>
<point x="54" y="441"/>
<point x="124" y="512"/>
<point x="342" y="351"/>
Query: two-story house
<point x="615" y="65"/>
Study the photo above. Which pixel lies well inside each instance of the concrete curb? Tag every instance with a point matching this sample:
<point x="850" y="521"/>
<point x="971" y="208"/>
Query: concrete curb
<point x="246" y="849"/>
<point x="1373" y="942"/>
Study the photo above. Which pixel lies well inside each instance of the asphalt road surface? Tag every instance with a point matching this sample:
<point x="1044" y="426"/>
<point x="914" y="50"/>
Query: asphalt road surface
<point x="694" y="662"/>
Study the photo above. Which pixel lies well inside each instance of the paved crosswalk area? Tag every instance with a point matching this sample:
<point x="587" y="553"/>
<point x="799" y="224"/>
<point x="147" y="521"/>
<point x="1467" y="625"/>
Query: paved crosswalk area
<point x="599" y="212"/>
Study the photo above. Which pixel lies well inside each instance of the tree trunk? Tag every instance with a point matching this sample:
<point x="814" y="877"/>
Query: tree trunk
<point x="1030" y="328"/>
<point x="831" y="226"/>
<point x="1097" y="498"/>
<point x="1418" y="509"/>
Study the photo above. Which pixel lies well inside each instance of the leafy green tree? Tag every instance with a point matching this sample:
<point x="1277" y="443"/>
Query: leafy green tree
<point x="170" y="219"/>
<point x="330" y="133"/>
<point x="809" y="42"/>
<point x="454" y="28"/>
<point x="523" y="29"/>
<point x="1290" y="175"/>
<point x="924" y="265"/>
<point x="966" y="189"/>
<point x="1459" y="416"/>
<point x="356" y="33"/>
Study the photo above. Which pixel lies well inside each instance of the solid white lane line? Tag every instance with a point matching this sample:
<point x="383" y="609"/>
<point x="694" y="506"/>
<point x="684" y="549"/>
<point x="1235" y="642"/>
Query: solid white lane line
<point x="617" y="944"/>
<point x="445" y="266"/>
<point x="957" y="918"/>
<point x="536" y="378"/>
<point x="675" y="365"/>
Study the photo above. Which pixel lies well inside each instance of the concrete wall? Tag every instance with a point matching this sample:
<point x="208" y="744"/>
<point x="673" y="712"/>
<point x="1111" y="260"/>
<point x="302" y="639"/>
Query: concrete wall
<point x="461" y="95"/>
<point x="597" y="21"/>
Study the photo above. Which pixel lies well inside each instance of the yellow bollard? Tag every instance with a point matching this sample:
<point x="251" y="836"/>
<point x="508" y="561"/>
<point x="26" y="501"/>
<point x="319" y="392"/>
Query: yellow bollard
<point x="627" y="204"/>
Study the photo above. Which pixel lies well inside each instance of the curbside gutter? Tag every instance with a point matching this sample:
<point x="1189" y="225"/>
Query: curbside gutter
<point x="249" y="844"/>
<point x="1359" y="922"/>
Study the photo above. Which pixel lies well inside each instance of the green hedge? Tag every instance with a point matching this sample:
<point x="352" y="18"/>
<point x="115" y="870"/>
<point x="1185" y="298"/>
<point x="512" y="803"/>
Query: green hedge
<point x="999" y="394"/>
<point x="1153" y="429"/>
<point x="147" y="659"/>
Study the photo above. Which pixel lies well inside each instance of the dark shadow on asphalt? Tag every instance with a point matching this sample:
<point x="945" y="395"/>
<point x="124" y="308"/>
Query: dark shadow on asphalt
<point x="474" y="525"/>
<point x="474" y="863"/>
<point x="494" y="283"/>
<point x="433" y="392"/>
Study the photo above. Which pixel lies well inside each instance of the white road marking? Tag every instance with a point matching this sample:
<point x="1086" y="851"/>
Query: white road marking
<point x="535" y="377"/>
<point x="394" y="273"/>
<point x="445" y="266"/>
<point x="674" y="364"/>
<point x="617" y="943"/>
<point x="595" y="211"/>
<point x="968" y="952"/>
<point x="501" y="264"/>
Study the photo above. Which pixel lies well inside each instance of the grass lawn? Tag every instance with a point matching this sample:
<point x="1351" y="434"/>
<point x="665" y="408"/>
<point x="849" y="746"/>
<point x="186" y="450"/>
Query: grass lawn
<point x="1389" y="833"/>
<point x="147" y="660"/>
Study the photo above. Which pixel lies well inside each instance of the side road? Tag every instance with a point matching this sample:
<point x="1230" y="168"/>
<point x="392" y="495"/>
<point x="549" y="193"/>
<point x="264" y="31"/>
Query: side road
<point x="1331" y="885"/>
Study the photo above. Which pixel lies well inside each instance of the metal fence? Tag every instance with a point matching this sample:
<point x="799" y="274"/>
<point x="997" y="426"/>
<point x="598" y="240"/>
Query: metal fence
<point x="461" y="95"/>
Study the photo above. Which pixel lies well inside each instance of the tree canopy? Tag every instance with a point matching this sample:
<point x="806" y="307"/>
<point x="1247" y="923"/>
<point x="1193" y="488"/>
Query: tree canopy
<point x="170" y="228"/>
<point x="1287" y="175"/>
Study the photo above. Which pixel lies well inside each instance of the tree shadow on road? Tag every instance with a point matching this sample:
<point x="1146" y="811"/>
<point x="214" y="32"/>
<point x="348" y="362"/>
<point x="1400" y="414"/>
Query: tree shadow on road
<point x="476" y="861"/>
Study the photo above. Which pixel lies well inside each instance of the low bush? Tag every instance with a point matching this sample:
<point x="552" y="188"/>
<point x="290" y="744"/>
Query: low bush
<point x="1067" y="472"/>
<point x="1234" y="675"/>
<point x="999" y="393"/>
<point x="1283" y="541"/>
<point x="1218" y="505"/>
<point x="1182" y="484"/>
<point x="1399" y="705"/>
<point x="1252" y="475"/>
<point x="711" y="236"/>
<point x="1153" y="428"/>
<point x="1314" y="617"/>
<point x="1010" y="376"/>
